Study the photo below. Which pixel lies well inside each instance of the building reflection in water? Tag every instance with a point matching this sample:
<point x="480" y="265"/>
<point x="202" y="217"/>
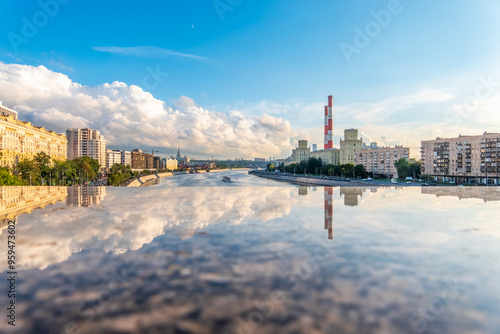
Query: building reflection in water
<point x="487" y="194"/>
<point x="15" y="201"/>
<point x="85" y="196"/>
<point x="351" y="198"/>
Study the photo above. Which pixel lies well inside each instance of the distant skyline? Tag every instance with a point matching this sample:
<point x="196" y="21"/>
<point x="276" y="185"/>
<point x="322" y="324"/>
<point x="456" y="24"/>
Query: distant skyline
<point x="250" y="79"/>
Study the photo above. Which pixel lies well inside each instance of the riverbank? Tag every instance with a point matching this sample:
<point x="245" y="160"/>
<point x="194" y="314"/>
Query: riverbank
<point x="318" y="181"/>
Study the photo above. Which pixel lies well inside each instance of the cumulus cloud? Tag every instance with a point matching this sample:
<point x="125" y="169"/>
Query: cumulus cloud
<point x="130" y="117"/>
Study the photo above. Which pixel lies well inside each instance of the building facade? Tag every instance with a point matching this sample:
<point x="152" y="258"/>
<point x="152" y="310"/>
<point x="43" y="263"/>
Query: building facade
<point x="302" y="152"/>
<point x="381" y="160"/>
<point x="86" y="142"/>
<point x="331" y="156"/>
<point x="22" y="140"/>
<point x="349" y="145"/>
<point x="171" y="164"/>
<point x="113" y="157"/>
<point x="141" y="160"/>
<point x="465" y="159"/>
<point x="126" y="158"/>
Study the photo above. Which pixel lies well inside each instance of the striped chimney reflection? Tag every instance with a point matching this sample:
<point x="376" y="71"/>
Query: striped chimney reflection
<point x="329" y="211"/>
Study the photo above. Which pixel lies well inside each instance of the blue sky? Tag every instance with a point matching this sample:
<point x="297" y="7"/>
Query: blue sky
<point x="279" y="58"/>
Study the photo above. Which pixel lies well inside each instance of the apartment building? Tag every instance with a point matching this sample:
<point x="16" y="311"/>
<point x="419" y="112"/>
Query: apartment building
<point x="329" y="156"/>
<point x="141" y="160"/>
<point x="465" y="159"/>
<point x="126" y="158"/>
<point x="113" y="157"/>
<point x="21" y="140"/>
<point x="86" y="142"/>
<point x="380" y="160"/>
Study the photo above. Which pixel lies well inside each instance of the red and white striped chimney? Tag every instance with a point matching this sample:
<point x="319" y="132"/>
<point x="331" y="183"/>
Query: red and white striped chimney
<point x="328" y="140"/>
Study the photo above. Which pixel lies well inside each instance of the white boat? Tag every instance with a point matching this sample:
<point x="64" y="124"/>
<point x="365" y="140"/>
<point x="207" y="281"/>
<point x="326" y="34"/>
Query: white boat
<point x="226" y="179"/>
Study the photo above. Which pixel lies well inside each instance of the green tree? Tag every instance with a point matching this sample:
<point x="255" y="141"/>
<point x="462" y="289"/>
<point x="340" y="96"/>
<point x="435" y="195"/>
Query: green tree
<point x="270" y="167"/>
<point x="360" y="171"/>
<point x="402" y="167"/>
<point x="29" y="171"/>
<point x="7" y="179"/>
<point x="314" y="165"/>
<point x="118" y="174"/>
<point x="414" y="169"/>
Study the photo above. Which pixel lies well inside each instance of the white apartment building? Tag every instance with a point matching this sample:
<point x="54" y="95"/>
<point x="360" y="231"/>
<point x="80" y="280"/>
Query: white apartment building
<point x="126" y="158"/>
<point x="113" y="157"/>
<point x="86" y="142"/>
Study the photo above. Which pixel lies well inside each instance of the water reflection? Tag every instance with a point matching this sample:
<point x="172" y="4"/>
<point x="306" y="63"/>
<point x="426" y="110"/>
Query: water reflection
<point x="15" y="201"/>
<point x="487" y="194"/>
<point x="209" y="260"/>
<point x="85" y="196"/>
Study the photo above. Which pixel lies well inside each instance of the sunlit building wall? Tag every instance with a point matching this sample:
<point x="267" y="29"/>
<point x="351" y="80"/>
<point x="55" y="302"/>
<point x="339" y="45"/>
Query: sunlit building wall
<point x="350" y="144"/>
<point x="21" y="140"/>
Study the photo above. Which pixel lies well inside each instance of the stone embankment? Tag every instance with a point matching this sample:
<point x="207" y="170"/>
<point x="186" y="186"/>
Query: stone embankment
<point x="309" y="180"/>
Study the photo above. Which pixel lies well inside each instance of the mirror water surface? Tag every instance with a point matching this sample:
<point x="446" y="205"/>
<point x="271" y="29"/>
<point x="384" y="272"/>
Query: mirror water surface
<point x="193" y="254"/>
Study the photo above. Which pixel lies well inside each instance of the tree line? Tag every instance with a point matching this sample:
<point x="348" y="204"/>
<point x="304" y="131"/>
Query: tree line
<point x="315" y="166"/>
<point x="42" y="171"/>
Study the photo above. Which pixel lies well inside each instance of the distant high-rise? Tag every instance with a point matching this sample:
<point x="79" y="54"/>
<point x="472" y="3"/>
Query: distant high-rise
<point x="328" y="142"/>
<point x="86" y="142"/>
<point x="315" y="147"/>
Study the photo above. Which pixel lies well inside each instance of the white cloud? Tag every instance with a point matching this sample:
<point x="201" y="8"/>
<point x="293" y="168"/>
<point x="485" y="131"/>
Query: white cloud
<point x="128" y="116"/>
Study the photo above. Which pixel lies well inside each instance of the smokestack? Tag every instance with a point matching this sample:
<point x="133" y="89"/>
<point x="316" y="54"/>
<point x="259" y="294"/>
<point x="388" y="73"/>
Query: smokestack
<point x="328" y="200"/>
<point x="328" y="142"/>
